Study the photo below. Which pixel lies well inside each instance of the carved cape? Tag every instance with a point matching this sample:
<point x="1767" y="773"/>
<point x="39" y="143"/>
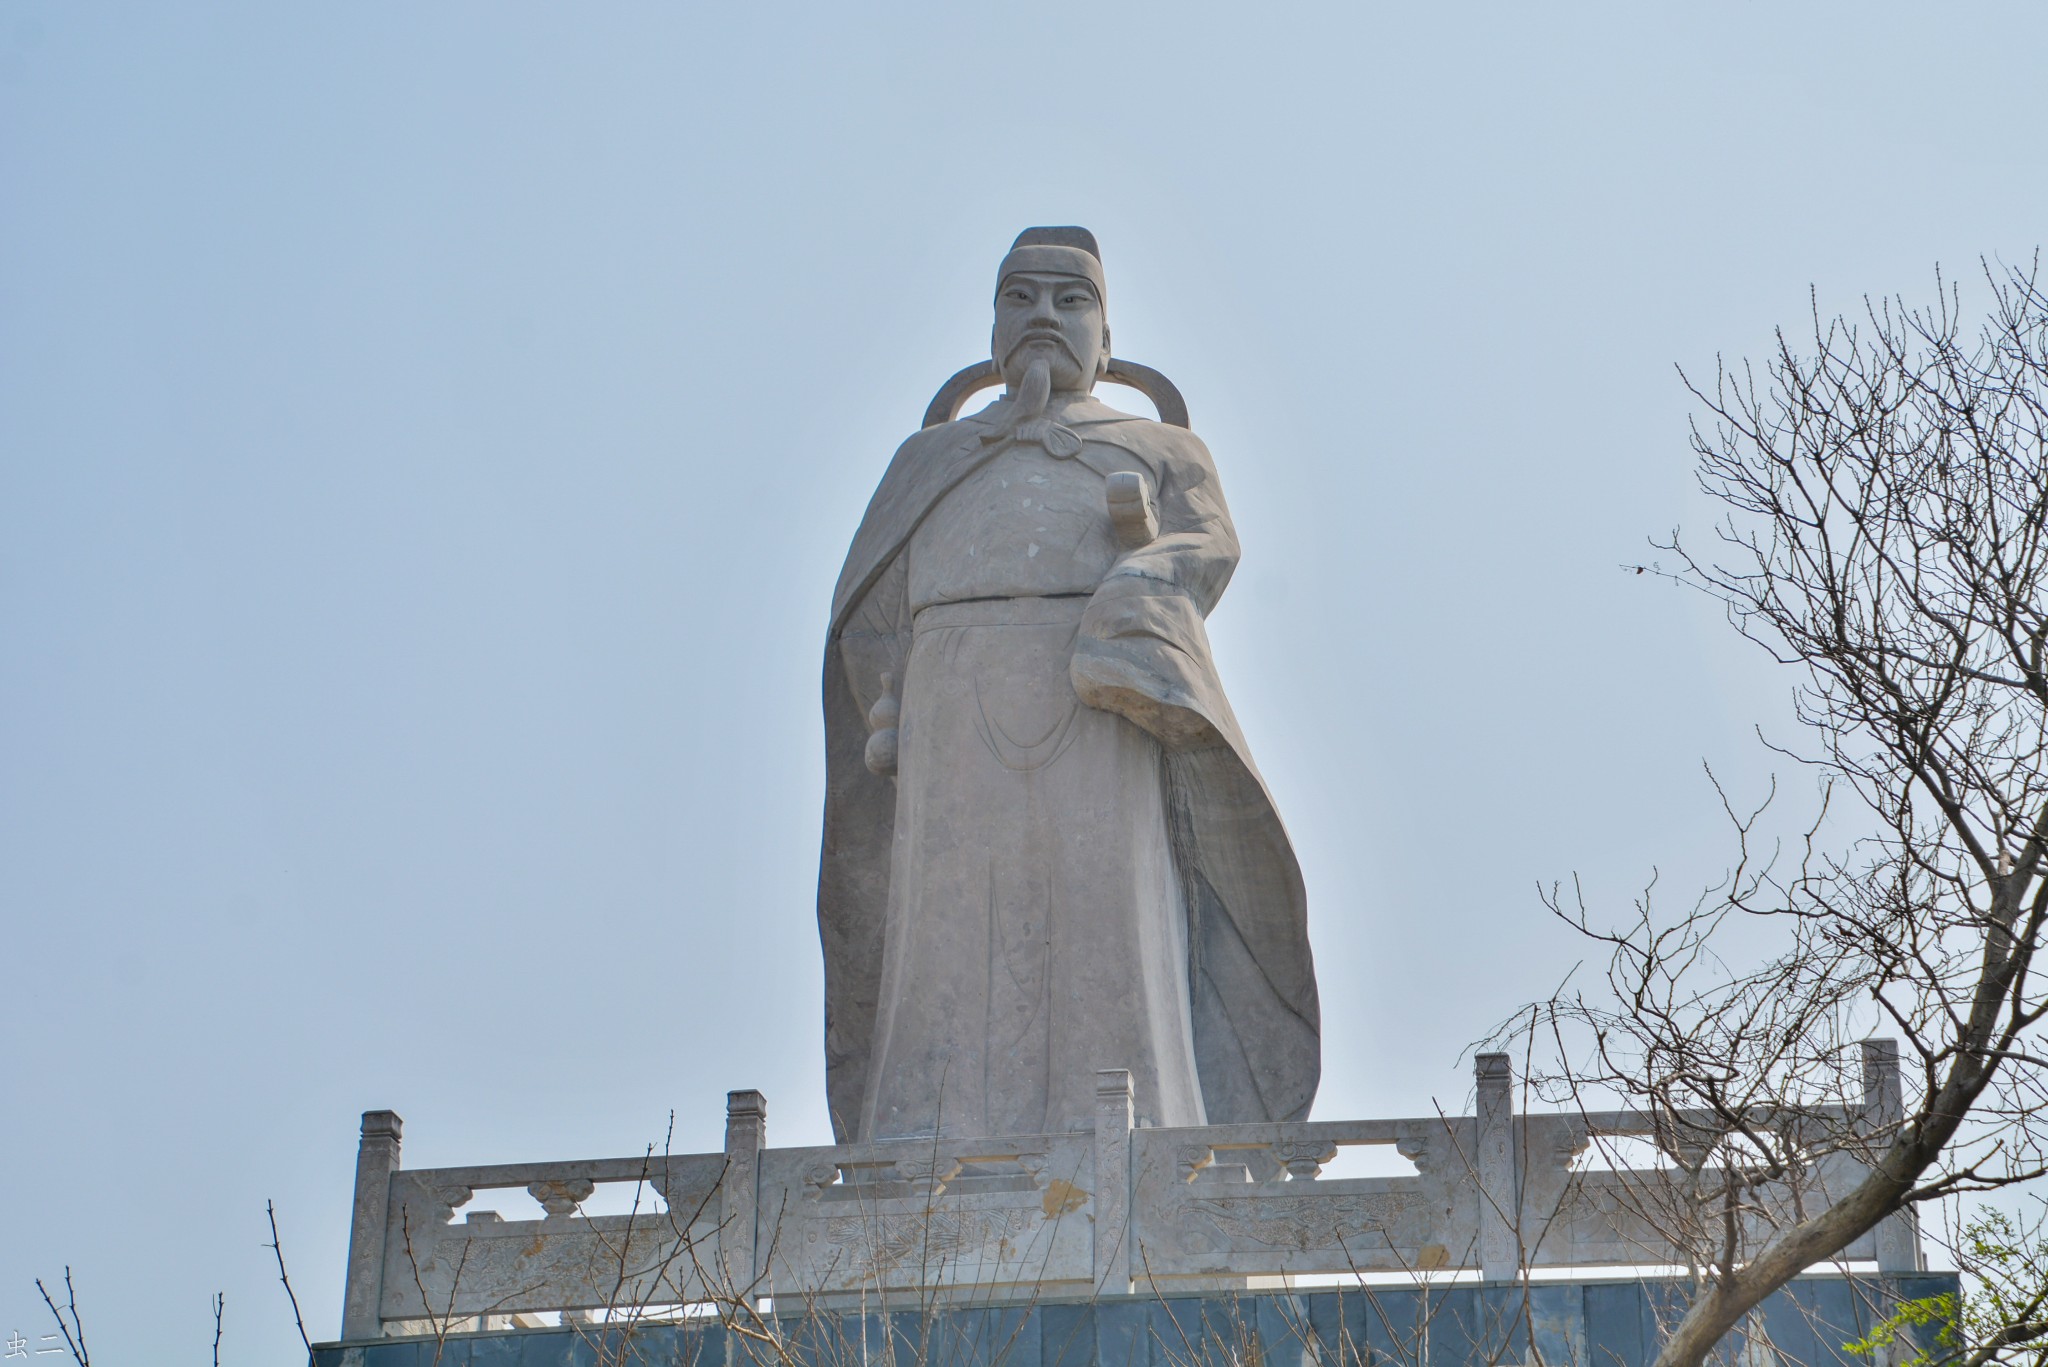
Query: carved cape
<point x="1142" y="652"/>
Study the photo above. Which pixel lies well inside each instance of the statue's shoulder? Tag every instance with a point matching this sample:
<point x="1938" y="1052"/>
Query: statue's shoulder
<point x="1159" y="441"/>
<point x="939" y="438"/>
<point x="944" y="434"/>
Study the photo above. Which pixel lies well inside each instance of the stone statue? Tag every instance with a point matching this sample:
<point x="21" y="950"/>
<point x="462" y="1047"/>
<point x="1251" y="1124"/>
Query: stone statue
<point x="1047" y="850"/>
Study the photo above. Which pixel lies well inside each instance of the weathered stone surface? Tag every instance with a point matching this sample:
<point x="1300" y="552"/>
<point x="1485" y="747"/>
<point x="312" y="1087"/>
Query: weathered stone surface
<point x="1047" y="851"/>
<point x="988" y="1217"/>
<point x="376" y="1160"/>
<point x="1107" y="1210"/>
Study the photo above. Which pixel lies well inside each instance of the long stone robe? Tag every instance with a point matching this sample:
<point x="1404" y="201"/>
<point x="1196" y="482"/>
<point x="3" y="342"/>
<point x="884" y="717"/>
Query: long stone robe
<point x="1077" y="865"/>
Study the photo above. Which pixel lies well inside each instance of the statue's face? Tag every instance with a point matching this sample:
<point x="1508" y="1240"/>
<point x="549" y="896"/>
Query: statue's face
<point x="1058" y="317"/>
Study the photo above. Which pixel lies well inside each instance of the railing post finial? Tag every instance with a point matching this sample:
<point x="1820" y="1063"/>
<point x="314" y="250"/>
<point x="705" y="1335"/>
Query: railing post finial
<point x="1884" y="1109"/>
<point x="1494" y="1167"/>
<point x="1115" y="1109"/>
<point x="746" y="1134"/>
<point x="376" y="1160"/>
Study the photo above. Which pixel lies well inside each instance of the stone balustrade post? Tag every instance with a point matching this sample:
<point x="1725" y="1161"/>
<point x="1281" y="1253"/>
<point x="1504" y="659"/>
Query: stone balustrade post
<point x="746" y="1134"/>
<point x="1494" y="1168"/>
<point x="1113" y="1235"/>
<point x="1884" y="1106"/>
<point x="376" y="1160"/>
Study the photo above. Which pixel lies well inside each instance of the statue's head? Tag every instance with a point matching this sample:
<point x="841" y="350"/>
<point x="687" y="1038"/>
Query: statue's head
<point x="1049" y="307"/>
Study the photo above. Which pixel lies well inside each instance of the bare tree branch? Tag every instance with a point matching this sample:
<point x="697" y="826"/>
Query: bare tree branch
<point x="276" y="1246"/>
<point x="1884" y="487"/>
<point x="74" y="1332"/>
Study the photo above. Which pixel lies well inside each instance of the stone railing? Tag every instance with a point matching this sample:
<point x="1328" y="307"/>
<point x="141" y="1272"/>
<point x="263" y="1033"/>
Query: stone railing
<point x="1083" y="1213"/>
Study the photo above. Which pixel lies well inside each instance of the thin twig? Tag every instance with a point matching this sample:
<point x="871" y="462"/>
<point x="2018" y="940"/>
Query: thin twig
<point x="77" y="1346"/>
<point x="276" y="1246"/>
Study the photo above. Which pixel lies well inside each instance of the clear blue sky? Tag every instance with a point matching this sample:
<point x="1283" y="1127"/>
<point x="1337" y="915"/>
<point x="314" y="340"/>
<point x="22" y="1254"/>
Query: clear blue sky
<point x="429" y="434"/>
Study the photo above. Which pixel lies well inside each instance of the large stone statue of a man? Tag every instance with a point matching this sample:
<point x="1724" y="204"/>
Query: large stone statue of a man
<point x="1047" y="851"/>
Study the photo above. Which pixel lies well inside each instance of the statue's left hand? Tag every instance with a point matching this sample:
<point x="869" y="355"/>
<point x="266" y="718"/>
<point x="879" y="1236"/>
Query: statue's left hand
<point x="1131" y="509"/>
<point x="1141" y="653"/>
<point x="882" y="718"/>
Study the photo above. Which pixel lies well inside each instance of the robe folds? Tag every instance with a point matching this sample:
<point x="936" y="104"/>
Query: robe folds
<point x="1140" y="652"/>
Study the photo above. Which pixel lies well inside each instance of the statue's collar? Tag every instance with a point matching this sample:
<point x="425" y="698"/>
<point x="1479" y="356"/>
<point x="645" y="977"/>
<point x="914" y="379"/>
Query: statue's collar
<point x="1071" y="409"/>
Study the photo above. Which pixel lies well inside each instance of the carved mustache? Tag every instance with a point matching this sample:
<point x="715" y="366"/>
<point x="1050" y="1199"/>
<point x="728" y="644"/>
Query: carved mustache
<point x="1043" y="334"/>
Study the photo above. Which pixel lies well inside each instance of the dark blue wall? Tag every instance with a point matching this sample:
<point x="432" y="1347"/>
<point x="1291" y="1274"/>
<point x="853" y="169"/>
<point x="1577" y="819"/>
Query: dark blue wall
<point x="1573" y="1324"/>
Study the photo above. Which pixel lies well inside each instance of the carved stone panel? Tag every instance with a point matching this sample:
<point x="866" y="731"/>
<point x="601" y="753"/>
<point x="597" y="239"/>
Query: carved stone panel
<point x="1305" y="1223"/>
<point x="977" y="1213"/>
<point x="436" y="1268"/>
<point x="1250" y="1200"/>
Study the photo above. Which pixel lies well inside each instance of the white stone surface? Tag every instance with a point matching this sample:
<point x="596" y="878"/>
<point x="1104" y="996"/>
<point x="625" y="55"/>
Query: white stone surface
<point x="1046" y="849"/>
<point x="1106" y="1209"/>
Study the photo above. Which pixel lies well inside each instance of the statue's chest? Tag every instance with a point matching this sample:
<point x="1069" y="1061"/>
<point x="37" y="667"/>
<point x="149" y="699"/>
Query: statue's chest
<point x="1024" y="524"/>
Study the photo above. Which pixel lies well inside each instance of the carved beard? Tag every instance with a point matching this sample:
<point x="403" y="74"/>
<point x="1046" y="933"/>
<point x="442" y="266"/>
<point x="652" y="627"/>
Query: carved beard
<point x="1029" y="423"/>
<point x="1035" y="391"/>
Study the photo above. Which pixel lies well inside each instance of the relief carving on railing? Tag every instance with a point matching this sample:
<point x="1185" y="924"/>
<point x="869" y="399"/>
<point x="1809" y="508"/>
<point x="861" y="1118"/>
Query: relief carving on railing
<point x="1425" y="1151"/>
<point x="1257" y="1200"/>
<point x="1550" y="1145"/>
<point x="560" y="1197"/>
<point x="1304" y="1158"/>
<point x="1659" y="1214"/>
<point x="690" y="1196"/>
<point x="1302" y="1223"/>
<point x="1554" y="1142"/>
<point x="927" y="1173"/>
<point x="499" y="1265"/>
<point x="438" y="1266"/>
<point x="855" y="1217"/>
<point x="877" y="1243"/>
<point x="441" y="1202"/>
<point x="922" y="1175"/>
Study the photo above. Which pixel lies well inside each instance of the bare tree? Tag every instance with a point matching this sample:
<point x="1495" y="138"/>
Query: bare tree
<point x="1885" y="534"/>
